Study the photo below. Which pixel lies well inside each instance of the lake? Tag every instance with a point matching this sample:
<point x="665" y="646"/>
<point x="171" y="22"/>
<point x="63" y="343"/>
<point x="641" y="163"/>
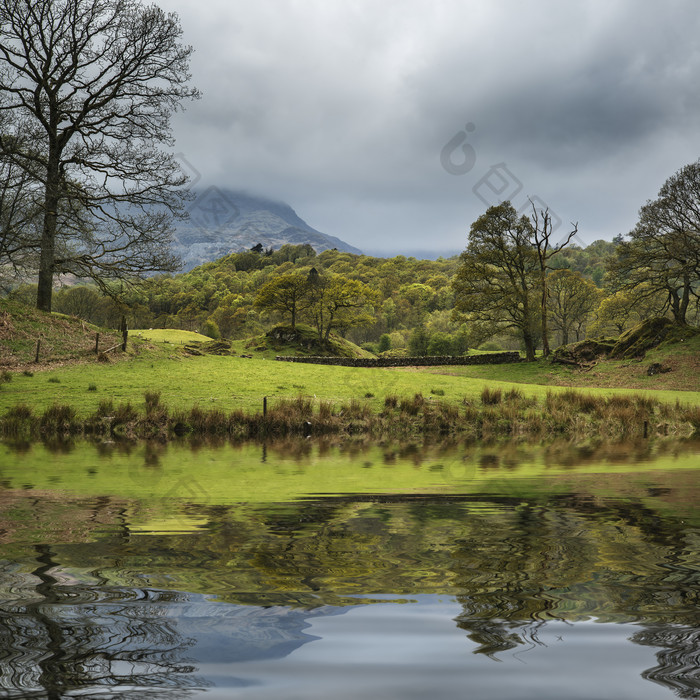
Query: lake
<point x="311" y="569"/>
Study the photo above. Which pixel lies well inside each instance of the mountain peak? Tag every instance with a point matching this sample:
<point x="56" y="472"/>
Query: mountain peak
<point x="225" y="221"/>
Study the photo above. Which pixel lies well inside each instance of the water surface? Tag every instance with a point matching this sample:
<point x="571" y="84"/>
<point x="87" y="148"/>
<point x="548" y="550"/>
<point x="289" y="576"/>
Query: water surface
<point x="307" y="570"/>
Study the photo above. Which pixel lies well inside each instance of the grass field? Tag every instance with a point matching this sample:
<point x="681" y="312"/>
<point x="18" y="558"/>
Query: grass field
<point x="239" y="383"/>
<point x="157" y="363"/>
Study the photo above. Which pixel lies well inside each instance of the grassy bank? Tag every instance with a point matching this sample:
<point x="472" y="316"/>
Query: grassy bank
<point x="236" y="383"/>
<point x="494" y="413"/>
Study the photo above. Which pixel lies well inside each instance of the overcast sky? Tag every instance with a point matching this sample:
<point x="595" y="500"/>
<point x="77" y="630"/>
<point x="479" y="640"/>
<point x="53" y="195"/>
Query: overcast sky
<point x="344" y="109"/>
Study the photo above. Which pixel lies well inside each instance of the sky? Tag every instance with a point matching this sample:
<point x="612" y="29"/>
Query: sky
<point x="395" y="124"/>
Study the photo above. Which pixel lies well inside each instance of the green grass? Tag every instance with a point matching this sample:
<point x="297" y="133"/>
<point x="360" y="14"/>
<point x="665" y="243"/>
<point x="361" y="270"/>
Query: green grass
<point x="168" y="335"/>
<point x="229" y="383"/>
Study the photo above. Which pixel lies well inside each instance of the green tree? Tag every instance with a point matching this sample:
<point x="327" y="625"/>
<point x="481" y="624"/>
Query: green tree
<point x="211" y="329"/>
<point x="339" y="303"/>
<point x="94" y="84"/>
<point x="663" y="253"/>
<point x="418" y="342"/>
<point x="497" y="280"/>
<point x="286" y="294"/>
<point x="616" y="313"/>
<point x="384" y="343"/>
<point x="440" y="344"/>
<point x="571" y="300"/>
<point x="81" y="301"/>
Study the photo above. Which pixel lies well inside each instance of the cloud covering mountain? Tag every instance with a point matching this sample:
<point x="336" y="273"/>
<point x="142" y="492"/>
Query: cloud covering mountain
<point x="225" y="221"/>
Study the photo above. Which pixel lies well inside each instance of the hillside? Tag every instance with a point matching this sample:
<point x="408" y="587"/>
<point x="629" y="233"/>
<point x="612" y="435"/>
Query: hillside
<point x="225" y="221"/>
<point x="677" y="361"/>
<point x="63" y="339"/>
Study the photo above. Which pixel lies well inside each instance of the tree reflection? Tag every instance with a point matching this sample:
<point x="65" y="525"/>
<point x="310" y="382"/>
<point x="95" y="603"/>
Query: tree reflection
<point x="71" y="638"/>
<point x="679" y="658"/>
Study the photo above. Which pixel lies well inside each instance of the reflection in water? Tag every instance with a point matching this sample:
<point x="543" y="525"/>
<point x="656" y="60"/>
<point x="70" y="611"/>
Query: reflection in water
<point x="679" y="658"/>
<point x="71" y="639"/>
<point x="167" y="596"/>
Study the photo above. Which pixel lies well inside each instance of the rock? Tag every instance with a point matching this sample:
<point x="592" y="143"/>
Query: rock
<point x="583" y="352"/>
<point x="636" y="341"/>
<point x="657" y="368"/>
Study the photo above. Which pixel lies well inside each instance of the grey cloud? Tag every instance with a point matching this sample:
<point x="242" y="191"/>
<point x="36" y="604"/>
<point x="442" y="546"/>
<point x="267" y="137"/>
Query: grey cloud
<point x="342" y="108"/>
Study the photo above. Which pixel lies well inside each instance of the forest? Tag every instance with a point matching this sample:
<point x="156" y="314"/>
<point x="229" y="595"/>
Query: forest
<point x="413" y="311"/>
<point x="516" y="286"/>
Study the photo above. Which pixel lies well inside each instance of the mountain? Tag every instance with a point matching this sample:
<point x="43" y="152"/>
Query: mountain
<point x="225" y="221"/>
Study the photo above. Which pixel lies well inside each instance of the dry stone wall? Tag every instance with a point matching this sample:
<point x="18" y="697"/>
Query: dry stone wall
<point x="494" y="358"/>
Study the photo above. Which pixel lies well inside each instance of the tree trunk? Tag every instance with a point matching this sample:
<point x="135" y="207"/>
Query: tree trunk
<point x="684" y="302"/>
<point x="545" y="328"/>
<point x="48" y="235"/>
<point x="529" y="346"/>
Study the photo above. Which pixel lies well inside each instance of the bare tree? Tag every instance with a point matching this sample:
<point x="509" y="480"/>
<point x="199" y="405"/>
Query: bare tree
<point x="542" y="237"/>
<point x="95" y="82"/>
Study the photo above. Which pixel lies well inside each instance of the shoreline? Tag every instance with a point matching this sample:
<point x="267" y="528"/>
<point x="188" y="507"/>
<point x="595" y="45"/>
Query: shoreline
<point x="496" y="414"/>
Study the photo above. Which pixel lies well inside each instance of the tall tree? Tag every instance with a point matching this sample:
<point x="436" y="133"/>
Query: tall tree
<point x="663" y="253"/>
<point x="95" y="82"/>
<point x="286" y="294"/>
<point x="498" y="274"/>
<point x="546" y="250"/>
<point x="339" y="303"/>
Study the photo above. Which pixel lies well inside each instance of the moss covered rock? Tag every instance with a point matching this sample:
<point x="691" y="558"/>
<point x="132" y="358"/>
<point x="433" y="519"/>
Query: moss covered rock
<point x="647" y="335"/>
<point x="584" y="352"/>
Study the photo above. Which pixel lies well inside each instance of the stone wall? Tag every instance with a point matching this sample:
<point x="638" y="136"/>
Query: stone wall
<point x="493" y="358"/>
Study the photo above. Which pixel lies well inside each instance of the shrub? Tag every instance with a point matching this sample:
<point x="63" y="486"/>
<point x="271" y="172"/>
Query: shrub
<point x="513" y="394"/>
<point x="440" y="344"/>
<point x="58" y="418"/>
<point x="211" y="329"/>
<point x="491" y="397"/>
<point x="105" y="408"/>
<point x="412" y="406"/>
<point x="21" y="412"/>
<point x="5" y="376"/>
<point x="384" y="343"/>
<point x="152" y="399"/>
<point x="124" y="413"/>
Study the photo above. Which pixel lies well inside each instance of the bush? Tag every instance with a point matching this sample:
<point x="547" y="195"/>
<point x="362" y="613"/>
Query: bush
<point x="491" y="397"/>
<point x="440" y="344"/>
<point x="384" y="343"/>
<point x="418" y="342"/>
<point x="211" y="329"/>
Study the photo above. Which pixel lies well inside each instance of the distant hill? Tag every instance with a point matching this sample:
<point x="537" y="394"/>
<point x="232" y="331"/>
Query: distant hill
<point x="226" y="221"/>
